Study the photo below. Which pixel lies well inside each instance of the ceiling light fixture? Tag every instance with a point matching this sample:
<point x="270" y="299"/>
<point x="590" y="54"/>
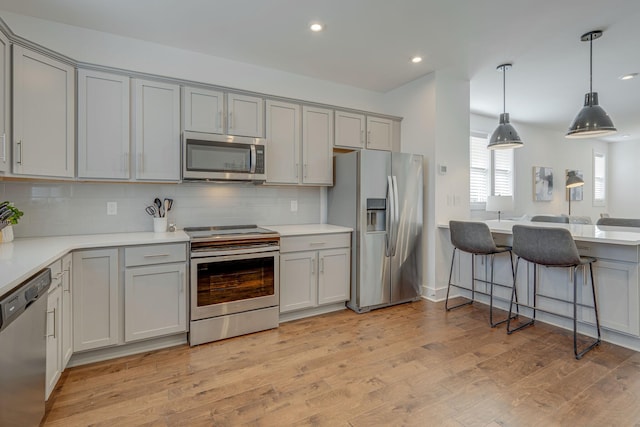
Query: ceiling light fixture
<point x="592" y="120"/>
<point x="505" y="135"/>
<point x="416" y="59"/>
<point x="628" y="76"/>
<point x="316" y="27"/>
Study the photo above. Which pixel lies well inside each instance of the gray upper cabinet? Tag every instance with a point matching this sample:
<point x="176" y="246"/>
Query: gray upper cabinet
<point x="156" y="131"/>
<point x="43" y="115"/>
<point x="317" y="143"/>
<point x="203" y="110"/>
<point x="103" y="125"/>
<point x="245" y="115"/>
<point x="283" y="142"/>
<point x="350" y="129"/>
<point x="5" y="79"/>
<point x="379" y="133"/>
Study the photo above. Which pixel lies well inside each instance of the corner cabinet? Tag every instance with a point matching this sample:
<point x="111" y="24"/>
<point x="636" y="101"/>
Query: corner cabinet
<point x="314" y="271"/>
<point x="5" y="80"/>
<point x="317" y="146"/>
<point x="95" y="299"/>
<point x="43" y="115"/>
<point x="156" y="131"/>
<point x="155" y="289"/>
<point x="103" y="125"/>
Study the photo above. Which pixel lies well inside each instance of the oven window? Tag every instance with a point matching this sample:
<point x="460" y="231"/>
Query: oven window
<point x="236" y="280"/>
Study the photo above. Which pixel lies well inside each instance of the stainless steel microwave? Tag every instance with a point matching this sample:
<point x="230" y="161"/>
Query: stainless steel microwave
<point x="214" y="157"/>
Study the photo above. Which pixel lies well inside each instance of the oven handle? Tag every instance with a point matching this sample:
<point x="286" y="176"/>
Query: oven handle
<point x="235" y="257"/>
<point x="246" y="251"/>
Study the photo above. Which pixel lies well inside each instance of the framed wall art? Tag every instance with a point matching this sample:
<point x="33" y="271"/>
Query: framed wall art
<point x="542" y="184"/>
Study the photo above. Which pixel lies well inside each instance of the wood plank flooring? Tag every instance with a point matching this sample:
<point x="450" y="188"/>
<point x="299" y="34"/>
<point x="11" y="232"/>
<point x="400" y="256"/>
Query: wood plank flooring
<point x="412" y="364"/>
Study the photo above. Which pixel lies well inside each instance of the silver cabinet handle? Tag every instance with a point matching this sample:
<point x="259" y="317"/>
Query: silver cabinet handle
<point x="368" y="137"/>
<point x="181" y="284"/>
<point x="317" y="243"/>
<point x="4" y="147"/>
<point x="230" y="119"/>
<point x="361" y="137"/>
<point x="321" y="265"/>
<point x="312" y="265"/>
<point x="156" y="255"/>
<point x="19" y="144"/>
<point x="219" y="124"/>
<point x="304" y="170"/>
<point x="54" y="323"/>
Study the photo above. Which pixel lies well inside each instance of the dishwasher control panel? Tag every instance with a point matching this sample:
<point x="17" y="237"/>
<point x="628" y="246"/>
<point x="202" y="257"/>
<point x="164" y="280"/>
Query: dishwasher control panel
<point x="17" y="301"/>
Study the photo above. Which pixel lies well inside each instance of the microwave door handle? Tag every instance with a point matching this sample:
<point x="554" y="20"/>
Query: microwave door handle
<point x="253" y="159"/>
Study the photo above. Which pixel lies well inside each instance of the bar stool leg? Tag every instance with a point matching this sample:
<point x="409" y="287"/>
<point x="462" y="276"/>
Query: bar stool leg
<point x="446" y="302"/>
<point x="513" y="296"/>
<point x="575" y="314"/>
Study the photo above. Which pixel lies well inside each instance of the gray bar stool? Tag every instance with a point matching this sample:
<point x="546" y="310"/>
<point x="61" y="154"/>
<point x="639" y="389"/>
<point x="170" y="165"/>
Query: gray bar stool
<point x="549" y="218"/>
<point x="619" y="222"/>
<point x="475" y="238"/>
<point x="551" y="247"/>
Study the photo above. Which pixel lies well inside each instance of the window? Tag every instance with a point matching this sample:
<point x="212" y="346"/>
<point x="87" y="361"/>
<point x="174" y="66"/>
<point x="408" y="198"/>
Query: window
<point x="491" y="171"/>
<point x="599" y="179"/>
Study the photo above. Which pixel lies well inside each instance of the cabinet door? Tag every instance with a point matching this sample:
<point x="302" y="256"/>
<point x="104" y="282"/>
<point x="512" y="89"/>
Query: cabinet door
<point x="67" y="311"/>
<point x="43" y="115"/>
<point x="298" y="281"/>
<point x="154" y="301"/>
<point x="103" y="125"/>
<point x="5" y="76"/>
<point x="245" y="116"/>
<point x="349" y="129"/>
<point x="317" y="143"/>
<point x="283" y="142"/>
<point x="95" y="299"/>
<point x="379" y="133"/>
<point x="617" y="294"/>
<point x="203" y="110"/>
<point x="157" y="131"/>
<point x="333" y="275"/>
<point x="54" y="366"/>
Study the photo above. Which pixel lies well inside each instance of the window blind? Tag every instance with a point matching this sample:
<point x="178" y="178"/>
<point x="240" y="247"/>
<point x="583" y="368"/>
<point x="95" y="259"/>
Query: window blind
<point x="480" y="159"/>
<point x="599" y="178"/>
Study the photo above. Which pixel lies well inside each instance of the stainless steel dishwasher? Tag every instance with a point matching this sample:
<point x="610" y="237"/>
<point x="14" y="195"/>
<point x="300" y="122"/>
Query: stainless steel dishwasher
<point x="23" y="348"/>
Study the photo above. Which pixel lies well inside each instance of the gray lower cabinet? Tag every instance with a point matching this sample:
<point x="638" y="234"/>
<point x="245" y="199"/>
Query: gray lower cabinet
<point x="314" y="271"/>
<point x="155" y="288"/>
<point x="95" y="299"/>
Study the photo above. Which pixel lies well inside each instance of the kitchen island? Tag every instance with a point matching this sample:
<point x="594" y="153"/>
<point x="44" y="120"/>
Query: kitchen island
<point x="617" y="250"/>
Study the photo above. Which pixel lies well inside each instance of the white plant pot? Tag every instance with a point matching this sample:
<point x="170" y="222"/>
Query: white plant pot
<point x="6" y="235"/>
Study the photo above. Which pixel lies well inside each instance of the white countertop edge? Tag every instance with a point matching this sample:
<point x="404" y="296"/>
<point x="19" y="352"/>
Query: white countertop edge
<point x="627" y="236"/>
<point x="307" y="229"/>
<point x="24" y="257"/>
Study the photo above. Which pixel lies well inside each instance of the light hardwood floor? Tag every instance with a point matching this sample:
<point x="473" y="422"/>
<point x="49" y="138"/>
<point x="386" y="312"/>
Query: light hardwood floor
<point x="411" y="364"/>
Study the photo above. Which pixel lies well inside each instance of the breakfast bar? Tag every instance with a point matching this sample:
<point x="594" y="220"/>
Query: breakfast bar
<point x="616" y="275"/>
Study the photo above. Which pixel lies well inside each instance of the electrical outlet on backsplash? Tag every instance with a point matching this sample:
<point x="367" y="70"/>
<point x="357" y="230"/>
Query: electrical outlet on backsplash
<point x="54" y="209"/>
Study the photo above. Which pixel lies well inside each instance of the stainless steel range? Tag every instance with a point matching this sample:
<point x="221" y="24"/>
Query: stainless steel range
<point x="234" y="281"/>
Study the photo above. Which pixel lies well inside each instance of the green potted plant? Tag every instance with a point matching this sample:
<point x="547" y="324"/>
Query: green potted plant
<point x="10" y="216"/>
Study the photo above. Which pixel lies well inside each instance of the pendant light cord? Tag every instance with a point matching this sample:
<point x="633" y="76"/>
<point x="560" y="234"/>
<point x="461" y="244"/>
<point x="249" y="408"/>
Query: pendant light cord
<point x="504" y="90"/>
<point x="591" y="70"/>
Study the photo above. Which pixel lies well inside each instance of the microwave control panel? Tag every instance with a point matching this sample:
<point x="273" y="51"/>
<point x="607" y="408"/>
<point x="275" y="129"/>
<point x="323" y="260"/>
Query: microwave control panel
<point x="260" y="159"/>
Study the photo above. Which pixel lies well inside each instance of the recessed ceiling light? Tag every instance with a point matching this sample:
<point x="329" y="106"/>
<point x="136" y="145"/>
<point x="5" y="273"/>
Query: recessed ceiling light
<point x="315" y="27"/>
<point x="628" y="76"/>
<point x="626" y="135"/>
<point x="416" y="59"/>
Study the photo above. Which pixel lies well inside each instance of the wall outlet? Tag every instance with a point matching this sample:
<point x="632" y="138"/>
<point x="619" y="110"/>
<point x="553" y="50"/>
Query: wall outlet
<point x="294" y="206"/>
<point x="112" y="208"/>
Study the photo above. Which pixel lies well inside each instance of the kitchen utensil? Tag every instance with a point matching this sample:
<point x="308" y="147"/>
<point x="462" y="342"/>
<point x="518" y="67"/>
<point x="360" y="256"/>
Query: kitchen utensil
<point x="151" y="210"/>
<point x="3" y="204"/>
<point x="5" y="214"/>
<point x="158" y="204"/>
<point x="168" y="203"/>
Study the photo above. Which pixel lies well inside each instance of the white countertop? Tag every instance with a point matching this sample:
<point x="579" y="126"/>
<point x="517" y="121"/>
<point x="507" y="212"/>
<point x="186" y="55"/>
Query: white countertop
<point x="583" y="232"/>
<point x="302" y="229"/>
<point x="22" y="258"/>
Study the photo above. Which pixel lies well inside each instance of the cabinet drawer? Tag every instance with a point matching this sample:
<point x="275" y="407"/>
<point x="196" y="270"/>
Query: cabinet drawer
<point x="314" y="242"/>
<point x="625" y="253"/>
<point x="155" y="254"/>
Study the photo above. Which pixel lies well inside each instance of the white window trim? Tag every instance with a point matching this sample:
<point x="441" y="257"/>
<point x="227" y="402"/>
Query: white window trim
<point x="599" y="202"/>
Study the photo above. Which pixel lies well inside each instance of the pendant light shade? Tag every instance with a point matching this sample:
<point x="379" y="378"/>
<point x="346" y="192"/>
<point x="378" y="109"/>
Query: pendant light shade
<point x="592" y="120"/>
<point x="505" y="135"/>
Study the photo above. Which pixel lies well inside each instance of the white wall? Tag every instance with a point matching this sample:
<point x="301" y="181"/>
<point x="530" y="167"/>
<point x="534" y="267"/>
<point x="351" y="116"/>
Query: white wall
<point x="436" y="124"/>
<point x="624" y="179"/>
<point x="549" y="148"/>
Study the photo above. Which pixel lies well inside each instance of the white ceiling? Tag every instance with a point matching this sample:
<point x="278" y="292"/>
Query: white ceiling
<point x="368" y="44"/>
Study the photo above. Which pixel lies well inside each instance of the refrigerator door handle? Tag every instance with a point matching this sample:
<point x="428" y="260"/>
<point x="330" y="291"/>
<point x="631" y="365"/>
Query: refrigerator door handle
<point x="390" y="217"/>
<point x="396" y="215"/>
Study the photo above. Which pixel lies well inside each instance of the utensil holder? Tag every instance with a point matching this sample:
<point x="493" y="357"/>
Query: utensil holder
<point x="159" y="225"/>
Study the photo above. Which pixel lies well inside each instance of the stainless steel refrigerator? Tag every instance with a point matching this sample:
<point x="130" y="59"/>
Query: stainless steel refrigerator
<point x="379" y="195"/>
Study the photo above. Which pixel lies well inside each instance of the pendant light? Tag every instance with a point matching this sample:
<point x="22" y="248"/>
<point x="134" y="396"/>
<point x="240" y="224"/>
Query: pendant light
<point x="592" y="120"/>
<point x="505" y="135"/>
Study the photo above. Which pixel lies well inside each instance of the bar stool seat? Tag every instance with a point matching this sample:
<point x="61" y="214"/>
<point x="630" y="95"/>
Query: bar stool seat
<point x="551" y="247"/>
<point x="475" y="238"/>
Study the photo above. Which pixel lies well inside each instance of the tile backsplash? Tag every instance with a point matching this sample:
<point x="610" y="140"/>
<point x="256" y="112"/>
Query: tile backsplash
<point x="52" y="209"/>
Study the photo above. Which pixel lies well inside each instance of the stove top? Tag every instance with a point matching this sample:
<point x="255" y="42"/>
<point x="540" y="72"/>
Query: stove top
<point x="228" y="232"/>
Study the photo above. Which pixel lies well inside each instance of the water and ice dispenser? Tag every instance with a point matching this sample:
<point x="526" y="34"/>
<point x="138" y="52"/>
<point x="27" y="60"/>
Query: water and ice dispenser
<point x="376" y="214"/>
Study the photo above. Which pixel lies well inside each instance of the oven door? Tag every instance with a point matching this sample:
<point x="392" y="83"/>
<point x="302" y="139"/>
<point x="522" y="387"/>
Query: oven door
<point x="234" y="283"/>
